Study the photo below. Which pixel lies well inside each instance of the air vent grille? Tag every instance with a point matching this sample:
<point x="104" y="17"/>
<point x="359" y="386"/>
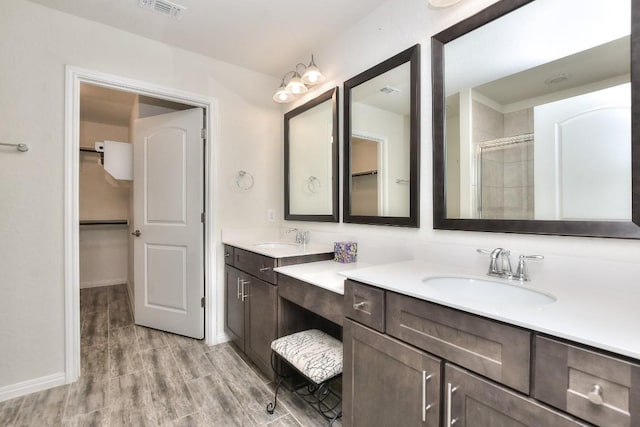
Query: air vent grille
<point x="388" y="90"/>
<point x="164" y="7"/>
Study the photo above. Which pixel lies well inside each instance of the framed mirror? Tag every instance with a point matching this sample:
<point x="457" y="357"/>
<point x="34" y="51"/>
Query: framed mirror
<point x="535" y="119"/>
<point x="381" y="143"/>
<point x="311" y="160"/>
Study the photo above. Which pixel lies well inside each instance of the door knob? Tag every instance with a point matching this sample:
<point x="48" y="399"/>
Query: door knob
<point x="136" y="233"/>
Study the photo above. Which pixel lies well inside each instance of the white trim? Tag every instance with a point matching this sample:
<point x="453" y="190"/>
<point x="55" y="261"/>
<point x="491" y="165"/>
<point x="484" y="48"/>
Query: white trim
<point x="106" y="282"/>
<point x="221" y="338"/>
<point x="32" y="386"/>
<point x="75" y="76"/>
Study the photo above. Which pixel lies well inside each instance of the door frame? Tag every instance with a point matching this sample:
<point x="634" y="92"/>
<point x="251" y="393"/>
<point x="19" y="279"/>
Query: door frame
<point x="74" y="76"/>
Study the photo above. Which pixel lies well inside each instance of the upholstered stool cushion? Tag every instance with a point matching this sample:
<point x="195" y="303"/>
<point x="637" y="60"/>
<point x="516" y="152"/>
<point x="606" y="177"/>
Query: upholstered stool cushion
<point x="317" y="355"/>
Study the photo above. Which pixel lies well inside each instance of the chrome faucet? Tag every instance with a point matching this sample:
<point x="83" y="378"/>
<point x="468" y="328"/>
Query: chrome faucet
<point x="302" y="237"/>
<point x="500" y="264"/>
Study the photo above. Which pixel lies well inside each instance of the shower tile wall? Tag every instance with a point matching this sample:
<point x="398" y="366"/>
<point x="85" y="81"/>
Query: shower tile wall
<point x="506" y="172"/>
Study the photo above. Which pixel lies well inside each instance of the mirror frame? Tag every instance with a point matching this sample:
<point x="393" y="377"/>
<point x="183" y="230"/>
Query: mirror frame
<point x="616" y="229"/>
<point x="412" y="56"/>
<point x="332" y="95"/>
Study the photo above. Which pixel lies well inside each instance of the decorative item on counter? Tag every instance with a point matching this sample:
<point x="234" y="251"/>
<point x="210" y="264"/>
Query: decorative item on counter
<point x="345" y="252"/>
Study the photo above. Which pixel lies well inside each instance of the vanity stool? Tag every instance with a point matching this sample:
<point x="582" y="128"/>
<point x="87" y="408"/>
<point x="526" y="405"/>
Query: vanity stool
<point x="316" y="356"/>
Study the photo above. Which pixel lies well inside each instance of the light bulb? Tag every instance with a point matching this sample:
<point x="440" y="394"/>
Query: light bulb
<point x="296" y="86"/>
<point x="312" y="75"/>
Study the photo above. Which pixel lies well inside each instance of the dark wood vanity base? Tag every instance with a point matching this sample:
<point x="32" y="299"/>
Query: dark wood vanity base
<point x="431" y="365"/>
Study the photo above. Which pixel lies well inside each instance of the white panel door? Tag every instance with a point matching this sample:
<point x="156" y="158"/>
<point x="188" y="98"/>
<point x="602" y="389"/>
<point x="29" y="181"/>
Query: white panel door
<point x="582" y="157"/>
<point x="168" y="202"/>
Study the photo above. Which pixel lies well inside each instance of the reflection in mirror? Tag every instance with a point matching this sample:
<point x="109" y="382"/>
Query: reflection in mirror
<point x="311" y="160"/>
<point x="535" y="134"/>
<point x="381" y="148"/>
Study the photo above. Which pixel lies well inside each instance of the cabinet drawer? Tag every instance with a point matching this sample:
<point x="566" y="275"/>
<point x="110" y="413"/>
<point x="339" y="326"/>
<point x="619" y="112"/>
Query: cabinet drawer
<point x="593" y="386"/>
<point x="364" y="304"/>
<point x="257" y="265"/>
<point x="489" y="348"/>
<point x="228" y="255"/>
<point x="473" y="401"/>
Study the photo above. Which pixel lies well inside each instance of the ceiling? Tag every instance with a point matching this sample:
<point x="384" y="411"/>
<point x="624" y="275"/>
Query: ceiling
<point x="102" y="105"/>
<point x="269" y="36"/>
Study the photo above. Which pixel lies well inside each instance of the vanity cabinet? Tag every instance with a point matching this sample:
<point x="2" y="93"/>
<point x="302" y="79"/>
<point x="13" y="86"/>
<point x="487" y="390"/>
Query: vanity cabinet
<point x="251" y="300"/>
<point x="387" y="382"/>
<point x="473" y="401"/>
<point x="466" y="369"/>
<point x="251" y="315"/>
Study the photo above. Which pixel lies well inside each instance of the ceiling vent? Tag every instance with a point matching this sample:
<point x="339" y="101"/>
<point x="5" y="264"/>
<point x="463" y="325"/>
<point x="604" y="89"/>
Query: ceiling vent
<point x="388" y="90"/>
<point x="164" y="7"/>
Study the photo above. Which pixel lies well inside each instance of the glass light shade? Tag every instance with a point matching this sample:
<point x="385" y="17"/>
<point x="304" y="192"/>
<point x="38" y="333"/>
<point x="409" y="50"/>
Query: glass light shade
<point x="312" y="75"/>
<point x="296" y="86"/>
<point x="282" y="96"/>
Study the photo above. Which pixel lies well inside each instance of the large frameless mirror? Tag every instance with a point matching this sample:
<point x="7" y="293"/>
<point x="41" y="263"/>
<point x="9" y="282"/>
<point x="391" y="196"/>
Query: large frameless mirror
<point x="533" y="120"/>
<point x="311" y="160"/>
<point x="381" y="143"/>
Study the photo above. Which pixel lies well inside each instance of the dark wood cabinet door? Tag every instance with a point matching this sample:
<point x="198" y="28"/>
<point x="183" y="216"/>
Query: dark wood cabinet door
<point x="234" y="307"/>
<point x="387" y="383"/>
<point x="471" y="401"/>
<point x="260" y="319"/>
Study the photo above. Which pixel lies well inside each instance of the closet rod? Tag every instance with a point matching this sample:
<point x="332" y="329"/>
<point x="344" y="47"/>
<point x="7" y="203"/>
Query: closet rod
<point x="104" y="222"/>
<point x="20" y="147"/>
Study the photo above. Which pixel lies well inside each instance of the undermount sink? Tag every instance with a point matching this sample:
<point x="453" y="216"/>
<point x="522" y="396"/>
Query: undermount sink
<point x="487" y="291"/>
<point x="277" y="245"/>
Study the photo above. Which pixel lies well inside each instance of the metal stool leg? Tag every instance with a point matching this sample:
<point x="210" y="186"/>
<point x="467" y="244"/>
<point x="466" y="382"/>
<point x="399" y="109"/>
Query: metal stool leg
<point x="271" y="406"/>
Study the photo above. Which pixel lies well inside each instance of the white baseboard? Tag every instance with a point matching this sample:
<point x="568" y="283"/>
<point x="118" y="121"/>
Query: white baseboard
<point x="98" y="283"/>
<point x="221" y="338"/>
<point x="31" y="386"/>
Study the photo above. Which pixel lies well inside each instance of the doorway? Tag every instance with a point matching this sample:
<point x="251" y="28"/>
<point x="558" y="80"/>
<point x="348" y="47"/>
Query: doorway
<point x="162" y="101"/>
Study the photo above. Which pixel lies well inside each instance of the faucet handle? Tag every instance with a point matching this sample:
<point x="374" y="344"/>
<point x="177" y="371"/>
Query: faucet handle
<point x="522" y="273"/>
<point x="483" y="251"/>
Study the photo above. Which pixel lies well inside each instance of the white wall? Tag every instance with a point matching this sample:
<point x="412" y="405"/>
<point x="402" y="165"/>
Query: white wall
<point x="393" y="27"/>
<point x="35" y="45"/>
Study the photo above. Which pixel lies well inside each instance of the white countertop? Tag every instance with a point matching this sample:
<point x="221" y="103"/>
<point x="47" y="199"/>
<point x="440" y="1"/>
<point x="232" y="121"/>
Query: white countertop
<point x="329" y="275"/>
<point x="281" y="249"/>
<point x="604" y="316"/>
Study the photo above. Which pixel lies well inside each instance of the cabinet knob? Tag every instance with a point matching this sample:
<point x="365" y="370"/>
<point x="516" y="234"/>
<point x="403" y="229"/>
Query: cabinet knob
<point x="595" y="395"/>
<point x="227" y="254"/>
<point x="264" y="269"/>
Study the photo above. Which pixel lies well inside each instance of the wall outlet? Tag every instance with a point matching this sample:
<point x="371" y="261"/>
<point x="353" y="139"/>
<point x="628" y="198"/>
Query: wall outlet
<point x="271" y="215"/>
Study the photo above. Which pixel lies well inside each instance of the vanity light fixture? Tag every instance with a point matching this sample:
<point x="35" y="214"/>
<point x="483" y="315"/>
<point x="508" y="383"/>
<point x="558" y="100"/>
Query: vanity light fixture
<point x="298" y="84"/>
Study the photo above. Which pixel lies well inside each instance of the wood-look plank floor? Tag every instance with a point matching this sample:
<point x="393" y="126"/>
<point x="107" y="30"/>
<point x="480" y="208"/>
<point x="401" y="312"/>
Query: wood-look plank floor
<point x="136" y="376"/>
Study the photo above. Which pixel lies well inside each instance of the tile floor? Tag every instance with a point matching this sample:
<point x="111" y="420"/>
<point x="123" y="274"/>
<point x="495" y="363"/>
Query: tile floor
<point x="135" y="376"/>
